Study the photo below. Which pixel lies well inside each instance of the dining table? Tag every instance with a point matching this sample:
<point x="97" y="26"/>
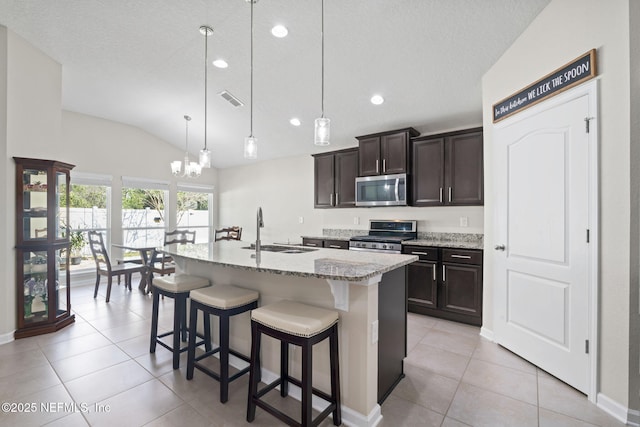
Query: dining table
<point x="146" y="252"/>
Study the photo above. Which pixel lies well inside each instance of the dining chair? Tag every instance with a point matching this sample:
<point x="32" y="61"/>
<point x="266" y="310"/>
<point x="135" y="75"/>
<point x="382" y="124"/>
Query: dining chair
<point x="229" y="233"/>
<point x="104" y="267"/>
<point x="164" y="264"/>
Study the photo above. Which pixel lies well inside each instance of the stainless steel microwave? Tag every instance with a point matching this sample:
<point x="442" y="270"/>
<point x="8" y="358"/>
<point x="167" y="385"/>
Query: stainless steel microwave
<point x="382" y="190"/>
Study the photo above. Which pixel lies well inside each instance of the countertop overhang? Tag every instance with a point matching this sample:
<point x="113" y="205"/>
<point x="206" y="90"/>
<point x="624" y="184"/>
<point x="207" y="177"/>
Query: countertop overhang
<point x="330" y="264"/>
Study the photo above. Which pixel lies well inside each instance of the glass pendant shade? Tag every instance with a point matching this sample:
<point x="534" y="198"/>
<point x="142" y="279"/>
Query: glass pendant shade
<point x="176" y="166"/>
<point x="250" y="147"/>
<point x="205" y="158"/>
<point x="192" y="169"/>
<point x="322" y="132"/>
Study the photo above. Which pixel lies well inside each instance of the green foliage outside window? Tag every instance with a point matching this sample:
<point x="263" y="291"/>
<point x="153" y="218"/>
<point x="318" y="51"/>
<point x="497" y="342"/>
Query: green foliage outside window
<point x="85" y="196"/>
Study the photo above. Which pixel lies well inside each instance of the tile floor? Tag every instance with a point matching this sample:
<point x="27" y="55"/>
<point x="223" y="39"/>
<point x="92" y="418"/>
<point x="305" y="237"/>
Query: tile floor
<point x="453" y="378"/>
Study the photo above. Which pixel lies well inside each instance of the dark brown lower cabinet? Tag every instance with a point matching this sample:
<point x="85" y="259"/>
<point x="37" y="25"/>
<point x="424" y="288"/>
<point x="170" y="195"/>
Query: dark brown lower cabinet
<point x="445" y="283"/>
<point x="325" y="243"/>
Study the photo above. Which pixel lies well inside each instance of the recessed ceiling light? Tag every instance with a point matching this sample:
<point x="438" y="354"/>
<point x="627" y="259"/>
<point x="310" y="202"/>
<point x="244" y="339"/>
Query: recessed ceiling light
<point x="279" y="31"/>
<point x="295" y="121"/>
<point x="220" y="63"/>
<point x="377" y="99"/>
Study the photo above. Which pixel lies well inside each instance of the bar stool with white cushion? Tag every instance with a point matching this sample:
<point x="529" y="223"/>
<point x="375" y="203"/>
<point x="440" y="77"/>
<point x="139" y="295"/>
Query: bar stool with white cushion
<point x="303" y="325"/>
<point x="177" y="287"/>
<point x="224" y="302"/>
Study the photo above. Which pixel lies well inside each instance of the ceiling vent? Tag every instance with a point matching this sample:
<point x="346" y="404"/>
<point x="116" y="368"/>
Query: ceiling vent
<point x="231" y="99"/>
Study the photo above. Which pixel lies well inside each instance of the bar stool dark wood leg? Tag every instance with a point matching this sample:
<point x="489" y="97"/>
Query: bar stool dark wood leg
<point x="253" y="373"/>
<point x="307" y="383"/>
<point x="335" y="375"/>
<point x="154" y="321"/>
<point x="284" y="368"/>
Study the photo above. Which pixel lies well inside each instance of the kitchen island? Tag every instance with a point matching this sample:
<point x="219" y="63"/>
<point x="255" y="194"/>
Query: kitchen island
<point x="367" y="289"/>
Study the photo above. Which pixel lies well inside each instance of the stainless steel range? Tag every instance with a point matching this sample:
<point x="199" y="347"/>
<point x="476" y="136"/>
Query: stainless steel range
<point x="385" y="236"/>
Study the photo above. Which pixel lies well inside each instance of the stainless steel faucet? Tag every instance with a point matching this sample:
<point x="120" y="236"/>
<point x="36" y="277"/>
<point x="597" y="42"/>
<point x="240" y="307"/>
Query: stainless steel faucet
<point x="259" y="225"/>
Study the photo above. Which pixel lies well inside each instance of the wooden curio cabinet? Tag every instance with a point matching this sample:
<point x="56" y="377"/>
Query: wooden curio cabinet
<point x="42" y="246"/>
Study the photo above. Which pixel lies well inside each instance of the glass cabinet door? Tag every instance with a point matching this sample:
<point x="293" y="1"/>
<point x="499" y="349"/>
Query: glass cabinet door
<point x="59" y="288"/>
<point x="61" y="205"/>
<point x="35" y="286"/>
<point x="34" y="184"/>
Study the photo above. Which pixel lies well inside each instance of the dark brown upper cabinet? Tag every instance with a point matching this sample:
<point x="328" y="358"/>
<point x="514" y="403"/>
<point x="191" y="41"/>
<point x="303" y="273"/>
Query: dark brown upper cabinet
<point x="385" y="153"/>
<point x="334" y="179"/>
<point x="447" y="169"/>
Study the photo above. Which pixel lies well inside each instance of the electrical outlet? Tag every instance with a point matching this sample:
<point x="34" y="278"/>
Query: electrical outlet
<point x="356" y="220"/>
<point x="301" y="219"/>
<point x="374" y="332"/>
<point x="464" y="221"/>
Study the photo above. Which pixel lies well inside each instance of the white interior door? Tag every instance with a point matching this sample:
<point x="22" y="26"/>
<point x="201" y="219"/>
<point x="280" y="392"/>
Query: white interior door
<point x="542" y="258"/>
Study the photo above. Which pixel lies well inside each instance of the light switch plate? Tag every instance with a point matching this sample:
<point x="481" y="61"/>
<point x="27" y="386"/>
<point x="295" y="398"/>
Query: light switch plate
<point x="301" y="219"/>
<point x="464" y="221"/>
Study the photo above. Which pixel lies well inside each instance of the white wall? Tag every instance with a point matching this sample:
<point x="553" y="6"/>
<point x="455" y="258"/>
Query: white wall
<point x="284" y="190"/>
<point x="7" y="305"/>
<point x="30" y="103"/>
<point x="563" y="31"/>
<point x="31" y="108"/>
<point x="634" y="298"/>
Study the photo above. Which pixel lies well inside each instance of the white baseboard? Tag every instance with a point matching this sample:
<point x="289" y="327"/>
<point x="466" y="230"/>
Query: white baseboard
<point x="349" y="416"/>
<point x="487" y="333"/>
<point x="620" y="412"/>
<point x="6" y="338"/>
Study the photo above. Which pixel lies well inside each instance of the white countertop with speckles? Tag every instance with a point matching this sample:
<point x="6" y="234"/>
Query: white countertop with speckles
<point x="335" y="264"/>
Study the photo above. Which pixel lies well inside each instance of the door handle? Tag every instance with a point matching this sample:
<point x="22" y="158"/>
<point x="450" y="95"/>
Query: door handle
<point x="434" y="272"/>
<point x="499" y="247"/>
<point x="377" y="163"/>
<point x="444" y="275"/>
<point x="384" y="165"/>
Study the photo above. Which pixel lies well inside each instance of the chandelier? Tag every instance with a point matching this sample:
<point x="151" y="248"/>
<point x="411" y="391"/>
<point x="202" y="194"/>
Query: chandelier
<point x="191" y="169"/>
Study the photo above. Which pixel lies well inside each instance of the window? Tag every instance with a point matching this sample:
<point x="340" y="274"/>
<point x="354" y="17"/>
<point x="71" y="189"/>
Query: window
<point x="144" y="211"/>
<point x="194" y="210"/>
<point x="89" y="209"/>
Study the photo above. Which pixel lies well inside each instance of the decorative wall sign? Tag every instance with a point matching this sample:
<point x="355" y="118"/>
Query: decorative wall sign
<point x="575" y="72"/>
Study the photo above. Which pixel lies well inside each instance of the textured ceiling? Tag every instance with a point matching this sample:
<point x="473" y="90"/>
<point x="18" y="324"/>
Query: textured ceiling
<point x="142" y="63"/>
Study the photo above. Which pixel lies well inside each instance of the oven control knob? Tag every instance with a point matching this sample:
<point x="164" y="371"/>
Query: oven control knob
<point x="384" y="246"/>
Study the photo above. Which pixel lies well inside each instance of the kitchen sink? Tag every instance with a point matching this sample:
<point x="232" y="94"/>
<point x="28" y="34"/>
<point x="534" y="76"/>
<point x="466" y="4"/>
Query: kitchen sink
<point x="281" y="249"/>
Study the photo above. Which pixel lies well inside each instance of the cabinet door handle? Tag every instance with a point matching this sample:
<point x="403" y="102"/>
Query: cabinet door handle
<point x="336" y="200"/>
<point x="461" y="256"/>
<point x="444" y="275"/>
<point x="331" y="200"/>
<point x="433" y="266"/>
<point x="377" y="164"/>
<point x="440" y="194"/>
<point x="384" y="165"/>
<point x="449" y="194"/>
<point x="335" y="246"/>
<point x="310" y="244"/>
<point x="419" y="253"/>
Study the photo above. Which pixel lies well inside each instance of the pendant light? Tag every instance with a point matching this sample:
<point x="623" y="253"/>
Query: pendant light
<point x="205" y="154"/>
<point x="322" y="130"/>
<point x="191" y="169"/>
<point x="251" y="142"/>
